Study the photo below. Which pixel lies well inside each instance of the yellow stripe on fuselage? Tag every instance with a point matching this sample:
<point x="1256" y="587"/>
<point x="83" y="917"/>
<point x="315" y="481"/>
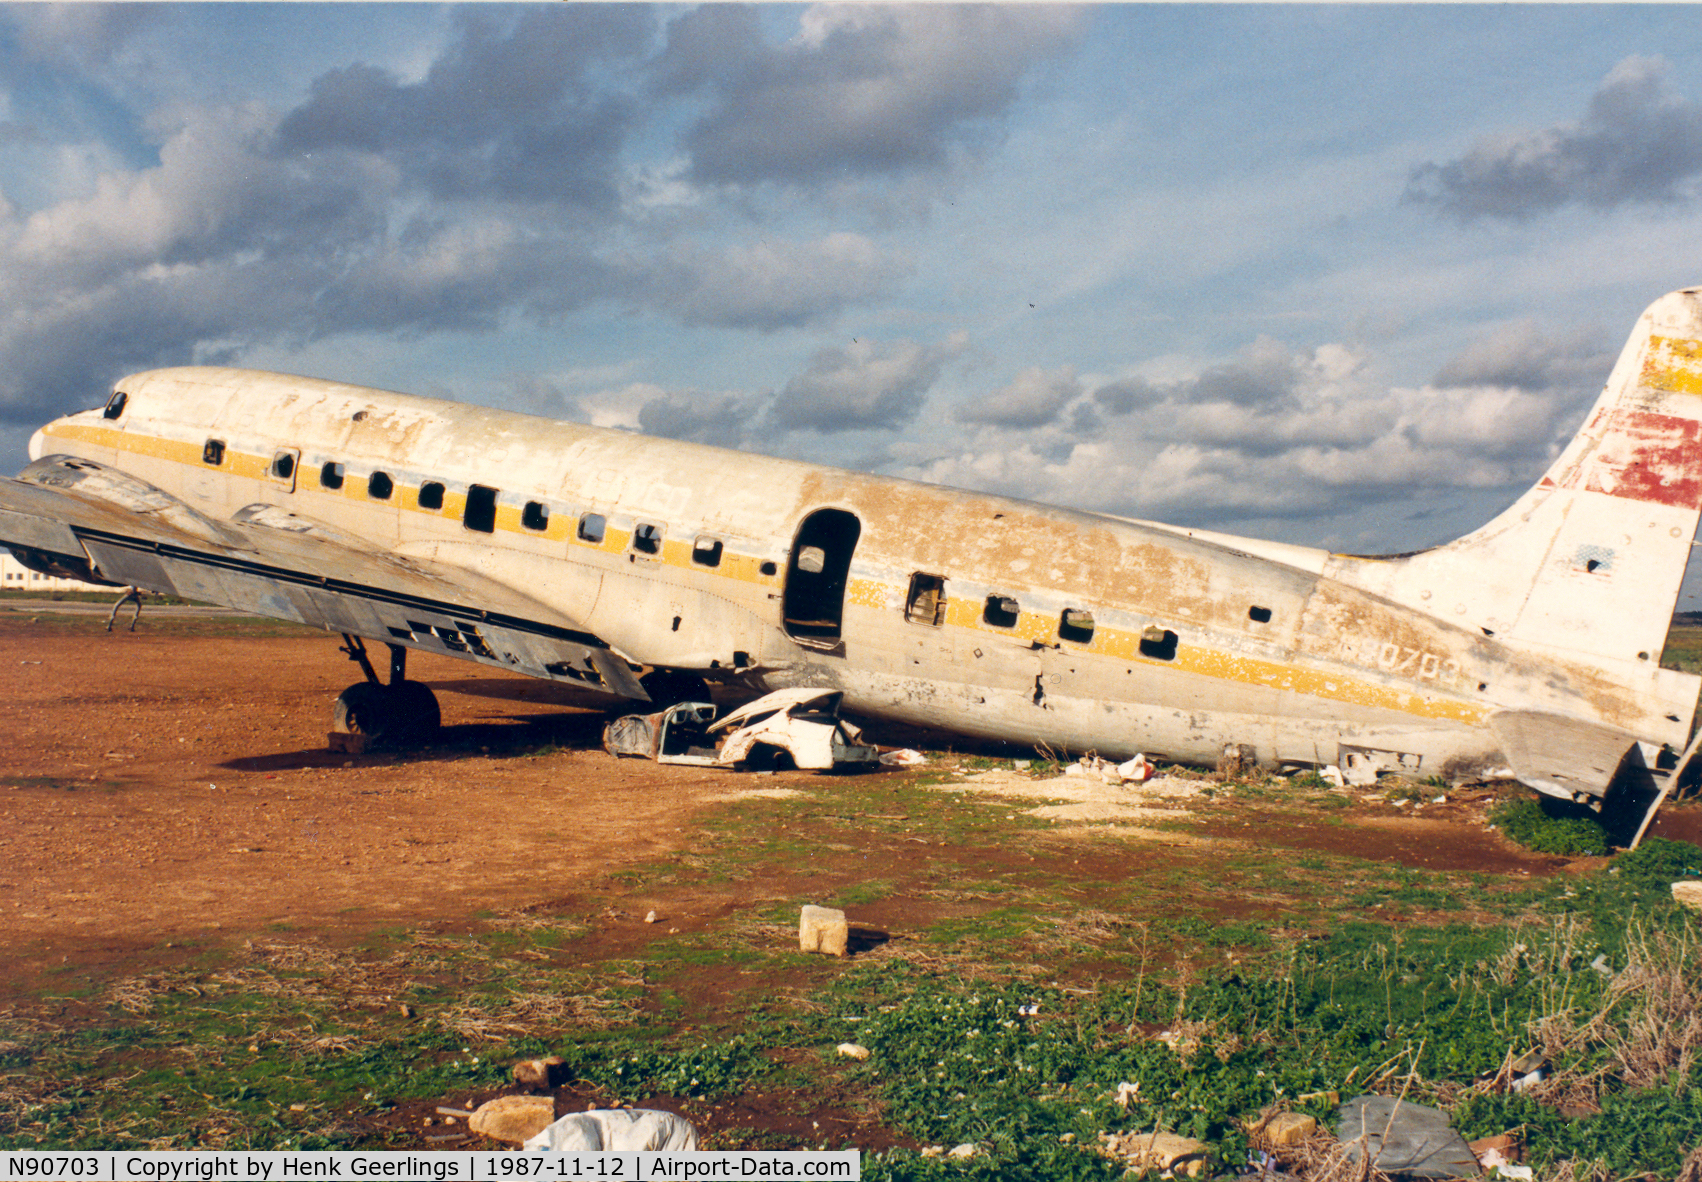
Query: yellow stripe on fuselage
<point x="1109" y="643"/>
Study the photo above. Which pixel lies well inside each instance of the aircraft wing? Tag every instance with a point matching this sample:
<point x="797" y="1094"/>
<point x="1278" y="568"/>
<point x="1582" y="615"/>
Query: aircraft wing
<point x="77" y="517"/>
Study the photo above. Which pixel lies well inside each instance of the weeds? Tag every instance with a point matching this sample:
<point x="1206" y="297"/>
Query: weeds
<point x="1530" y="823"/>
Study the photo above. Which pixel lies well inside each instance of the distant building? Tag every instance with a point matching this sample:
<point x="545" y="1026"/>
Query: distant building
<point x="15" y="576"/>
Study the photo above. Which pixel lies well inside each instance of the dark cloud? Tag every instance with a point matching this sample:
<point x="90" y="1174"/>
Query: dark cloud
<point x="1521" y="355"/>
<point x="721" y="419"/>
<point x="1119" y="398"/>
<point x="865" y="90"/>
<point x="869" y="385"/>
<point x="1637" y="142"/>
<point x="511" y="110"/>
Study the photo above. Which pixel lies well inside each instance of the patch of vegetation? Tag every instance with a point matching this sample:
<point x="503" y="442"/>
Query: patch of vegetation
<point x="1531" y="824"/>
<point x="1022" y="997"/>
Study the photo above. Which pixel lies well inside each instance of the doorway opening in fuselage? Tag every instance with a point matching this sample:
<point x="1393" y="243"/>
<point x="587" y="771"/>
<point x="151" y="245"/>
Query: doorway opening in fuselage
<point x="813" y="606"/>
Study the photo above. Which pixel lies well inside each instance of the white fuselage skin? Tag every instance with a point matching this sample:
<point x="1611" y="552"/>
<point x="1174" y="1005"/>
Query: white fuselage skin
<point x="678" y="556"/>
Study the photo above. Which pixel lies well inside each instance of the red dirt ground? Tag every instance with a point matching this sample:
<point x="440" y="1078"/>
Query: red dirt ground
<point x="171" y="785"/>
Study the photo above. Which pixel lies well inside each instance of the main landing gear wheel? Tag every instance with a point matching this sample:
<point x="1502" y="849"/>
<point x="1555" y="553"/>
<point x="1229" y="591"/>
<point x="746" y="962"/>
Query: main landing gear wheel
<point x="404" y="712"/>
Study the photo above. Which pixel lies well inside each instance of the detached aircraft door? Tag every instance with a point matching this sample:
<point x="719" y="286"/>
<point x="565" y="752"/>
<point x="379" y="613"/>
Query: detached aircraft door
<point x="813" y="605"/>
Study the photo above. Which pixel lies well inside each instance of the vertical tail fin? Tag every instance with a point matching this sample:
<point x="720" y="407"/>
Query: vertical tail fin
<point x="1590" y="559"/>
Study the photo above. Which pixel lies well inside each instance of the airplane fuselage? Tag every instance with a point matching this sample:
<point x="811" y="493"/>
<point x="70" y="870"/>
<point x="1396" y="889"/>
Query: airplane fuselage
<point x="976" y="614"/>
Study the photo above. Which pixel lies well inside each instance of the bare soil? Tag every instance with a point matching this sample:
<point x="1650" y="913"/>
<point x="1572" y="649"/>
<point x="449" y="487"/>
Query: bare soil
<point x="173" y="787"/>
<point x="157" y="787"/>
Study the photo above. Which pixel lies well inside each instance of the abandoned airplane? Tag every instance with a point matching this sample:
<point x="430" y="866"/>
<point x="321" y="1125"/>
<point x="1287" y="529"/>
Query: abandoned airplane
<point x="637" y="569"/>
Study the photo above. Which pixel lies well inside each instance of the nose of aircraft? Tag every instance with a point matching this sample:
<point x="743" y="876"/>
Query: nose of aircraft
<point x="37" y="445"/>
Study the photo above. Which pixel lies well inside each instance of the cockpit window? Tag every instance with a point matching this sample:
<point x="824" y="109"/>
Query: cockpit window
<point x="115" y="404"/>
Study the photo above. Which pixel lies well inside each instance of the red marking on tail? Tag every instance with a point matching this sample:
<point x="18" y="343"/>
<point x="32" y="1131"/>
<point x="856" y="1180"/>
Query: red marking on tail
<point x="1647" y="457"/>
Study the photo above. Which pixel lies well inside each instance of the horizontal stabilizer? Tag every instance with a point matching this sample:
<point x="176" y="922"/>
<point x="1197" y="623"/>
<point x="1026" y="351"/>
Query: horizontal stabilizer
<point x="1561" y="756"/>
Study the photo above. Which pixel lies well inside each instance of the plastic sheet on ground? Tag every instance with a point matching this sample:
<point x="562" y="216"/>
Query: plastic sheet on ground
<point x="615" y="1130"/>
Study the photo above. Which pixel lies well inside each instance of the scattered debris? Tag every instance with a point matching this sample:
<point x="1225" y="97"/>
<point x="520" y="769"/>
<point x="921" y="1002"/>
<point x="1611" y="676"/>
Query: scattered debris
<point x="851" y="1050"/>
<point x="1157" y="1151"/>
<point x="1688" y="894"/>
<point x="550" y="1072"/>
<point x="649" y="917"/>
<point x="903" y="757"/>
<point x="823" y="929"/>
<point x="1500" y="1153"/>
<point x="1284" y="1128"/>
<point x="967" y="1149"/>
<point x="803" y="723"/>
<point x="1128" y="1093"/>
<point x="1133" y="771"/>
<point x="619" y="1130"/>
<point x="1404" y="1138"/>
<point x="1238" y="759"/>
<point x="513" y="1118"/>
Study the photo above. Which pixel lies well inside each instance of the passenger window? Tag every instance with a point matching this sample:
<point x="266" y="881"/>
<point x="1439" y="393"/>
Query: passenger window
<point x="481" y="509"/>
<point x="1001" y="611"/>
<point x="331" y="475"/>
<point x="706" y="551"/>
<point x="115" y="404"/>
<point x="1259" y="615"/>
<point x="536" y="515"/>
<point x="379" y="486"/>
<point x="1158" y="643"/>
<point x="1076" y="625"/>
<point x="925" y="603"/>
<point x="213" y="452"/>
<point x="283" y="465"/>
<point x="647" y="538"/>
<point x="769" y="568"/>
<point x="591" y="528"/>
<point x="431" y="495"/>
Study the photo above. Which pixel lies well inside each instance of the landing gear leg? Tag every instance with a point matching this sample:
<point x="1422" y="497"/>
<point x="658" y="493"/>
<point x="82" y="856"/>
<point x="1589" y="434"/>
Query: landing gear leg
<point x="401" y="713"/>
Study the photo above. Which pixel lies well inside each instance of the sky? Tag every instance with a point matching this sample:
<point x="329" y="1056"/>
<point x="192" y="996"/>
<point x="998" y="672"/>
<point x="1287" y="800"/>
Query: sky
<point x="1338" y="275"/>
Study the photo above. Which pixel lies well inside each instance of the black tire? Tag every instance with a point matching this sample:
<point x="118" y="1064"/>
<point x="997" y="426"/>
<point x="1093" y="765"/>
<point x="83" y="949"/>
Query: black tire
<point x="404" y="713"/>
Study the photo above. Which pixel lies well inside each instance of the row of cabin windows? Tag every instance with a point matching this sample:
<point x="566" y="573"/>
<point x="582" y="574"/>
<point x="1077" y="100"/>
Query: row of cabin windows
<point x="480" y="511"/>
<point x="926" y="604"/>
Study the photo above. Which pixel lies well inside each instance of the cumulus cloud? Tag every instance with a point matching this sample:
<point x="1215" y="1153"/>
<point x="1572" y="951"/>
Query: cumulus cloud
<point x="723" y="418"/>
<point x="77" y="32"/>
<point x="863" y="90"/>
<point x="508" y="112"/>
<point x="1037" y="397"/>
<point x="866" y="385"/>
<point x="487" y="190"/>
<point x="1637" y="142"/>
<point x="1279" y="432"/>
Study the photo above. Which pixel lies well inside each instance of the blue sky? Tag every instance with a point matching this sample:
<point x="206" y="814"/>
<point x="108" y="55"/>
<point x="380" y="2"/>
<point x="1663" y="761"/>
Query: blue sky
<point x="1341" y="275"/>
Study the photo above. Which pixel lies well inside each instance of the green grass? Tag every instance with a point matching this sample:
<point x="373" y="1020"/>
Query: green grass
<point x="1273" y="970"/>
<point x="1546" y="828"/>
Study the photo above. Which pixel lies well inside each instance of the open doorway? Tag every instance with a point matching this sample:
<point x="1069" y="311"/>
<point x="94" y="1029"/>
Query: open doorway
<point x="820" y="566"/>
